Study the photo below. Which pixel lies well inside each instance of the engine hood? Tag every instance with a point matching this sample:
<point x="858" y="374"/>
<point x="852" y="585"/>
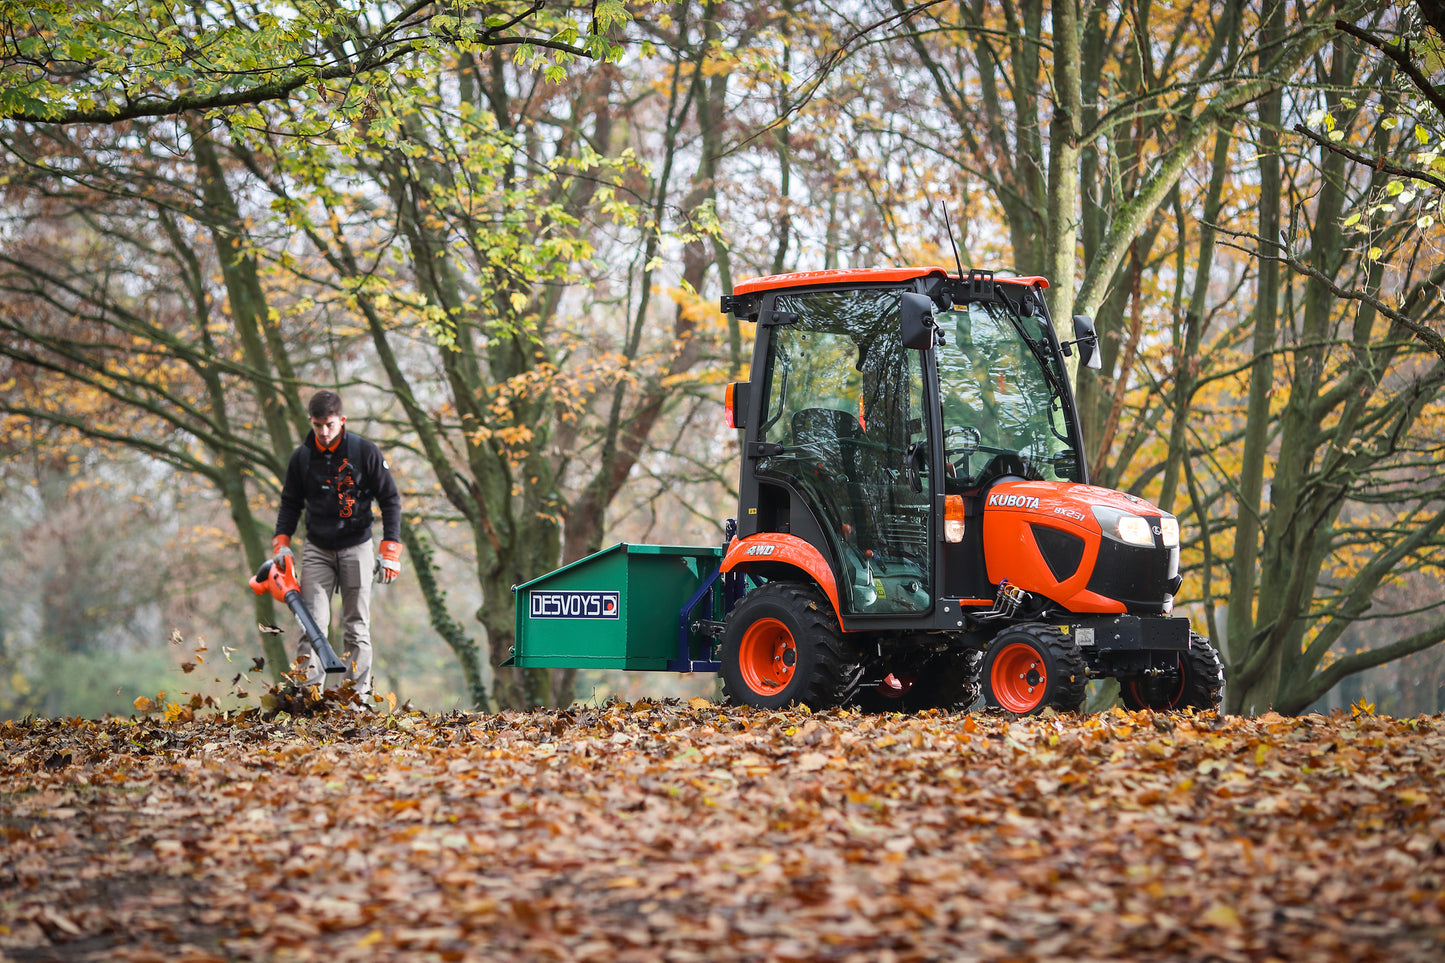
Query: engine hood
<point x="1046" y="538"/>
<point x="1066" y="501"/>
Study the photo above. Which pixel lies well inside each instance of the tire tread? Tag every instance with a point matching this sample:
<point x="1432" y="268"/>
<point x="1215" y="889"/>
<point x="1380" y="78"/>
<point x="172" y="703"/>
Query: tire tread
<point x="1068" y="676"/>
<point x="835" y="674"/>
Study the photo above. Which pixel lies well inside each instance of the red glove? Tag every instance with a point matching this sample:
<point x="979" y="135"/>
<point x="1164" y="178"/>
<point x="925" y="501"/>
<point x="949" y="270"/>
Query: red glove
<point x="280" y="546"/>
<point x="388" y="566"/>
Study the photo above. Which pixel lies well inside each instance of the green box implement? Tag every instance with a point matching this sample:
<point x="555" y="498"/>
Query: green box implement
<point x="618" y="609"/>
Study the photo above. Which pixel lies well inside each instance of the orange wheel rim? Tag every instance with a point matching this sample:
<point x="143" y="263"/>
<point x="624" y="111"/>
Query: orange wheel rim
<point x="767" y="656"/>
<point x="1019" y="678"/>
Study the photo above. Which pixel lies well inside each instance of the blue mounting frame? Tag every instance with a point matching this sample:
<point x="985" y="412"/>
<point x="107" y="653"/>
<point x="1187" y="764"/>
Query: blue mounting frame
<point x="720" y="590"/>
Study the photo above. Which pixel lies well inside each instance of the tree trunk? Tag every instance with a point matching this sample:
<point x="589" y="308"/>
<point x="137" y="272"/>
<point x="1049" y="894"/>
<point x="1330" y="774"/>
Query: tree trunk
<point x="1186" y="354"/>
<point x="419" y="554"/>
<point x="1257" y="694"/>
<point x="1061" y="248"/>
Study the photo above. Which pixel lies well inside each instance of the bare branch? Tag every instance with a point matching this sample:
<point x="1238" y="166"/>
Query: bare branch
<point x="1401" y="55"/>
<point x="1374" y="163"/>
<point x="829" y="64"/>
<point x="1427" y="335"/>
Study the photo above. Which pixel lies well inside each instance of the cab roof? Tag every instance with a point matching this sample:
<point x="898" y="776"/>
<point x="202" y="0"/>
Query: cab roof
<point x="858" y="276"/>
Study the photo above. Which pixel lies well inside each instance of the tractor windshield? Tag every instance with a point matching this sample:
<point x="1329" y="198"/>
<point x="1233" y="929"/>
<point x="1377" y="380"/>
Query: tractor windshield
<point x="1001" y="385"/>
<point x="845" y="410"/>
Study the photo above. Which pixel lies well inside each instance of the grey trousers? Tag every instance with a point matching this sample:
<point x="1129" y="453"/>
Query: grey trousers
<point x="323" y="572"/>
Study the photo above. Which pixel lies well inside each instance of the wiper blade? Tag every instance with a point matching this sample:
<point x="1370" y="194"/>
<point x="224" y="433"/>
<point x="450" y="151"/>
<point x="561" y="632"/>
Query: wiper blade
<point x="1035" y="347"/>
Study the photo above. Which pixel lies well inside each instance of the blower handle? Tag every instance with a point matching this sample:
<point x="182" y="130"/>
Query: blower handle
<point x="280" y="582"/>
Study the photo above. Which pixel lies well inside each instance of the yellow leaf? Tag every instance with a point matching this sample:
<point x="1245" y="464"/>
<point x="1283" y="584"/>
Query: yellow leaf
<point x="699" y="703"/>
<point x="1221" y="917"/>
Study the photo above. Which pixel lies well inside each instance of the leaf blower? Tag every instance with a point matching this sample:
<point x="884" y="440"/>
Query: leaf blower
<point x="280" y="581"/>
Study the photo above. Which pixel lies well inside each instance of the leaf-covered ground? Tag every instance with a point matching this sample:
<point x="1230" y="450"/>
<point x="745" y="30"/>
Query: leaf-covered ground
<point x="656" y="831"/>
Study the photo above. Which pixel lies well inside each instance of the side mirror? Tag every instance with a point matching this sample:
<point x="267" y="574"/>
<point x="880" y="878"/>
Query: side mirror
<point x="1087" y="338"/>
<point x="915" y="321"/>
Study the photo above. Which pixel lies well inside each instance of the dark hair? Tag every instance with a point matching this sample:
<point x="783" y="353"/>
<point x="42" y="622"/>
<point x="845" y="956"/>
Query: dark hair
<point x="323" y="405"/>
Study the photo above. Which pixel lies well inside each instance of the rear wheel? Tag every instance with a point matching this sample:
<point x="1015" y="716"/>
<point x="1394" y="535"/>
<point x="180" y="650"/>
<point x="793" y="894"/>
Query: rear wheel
<point x="1198" y="682"/>
<point x="947" y="681"/>
<point x="1029" y="668"/>
<point x="782" y="646"/>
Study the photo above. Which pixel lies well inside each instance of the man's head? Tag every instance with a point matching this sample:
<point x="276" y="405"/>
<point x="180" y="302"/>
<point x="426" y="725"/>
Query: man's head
<point x="326" y="417"/>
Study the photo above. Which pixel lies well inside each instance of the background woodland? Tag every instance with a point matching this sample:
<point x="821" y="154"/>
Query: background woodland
<point x="501" y="231"/>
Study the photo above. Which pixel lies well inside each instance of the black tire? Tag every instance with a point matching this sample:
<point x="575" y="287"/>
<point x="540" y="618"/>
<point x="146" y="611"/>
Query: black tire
<point x="1029" y="668"/>
<point x="1198" y="685"/>
<point x="948" y="681"/>
<point x="782" y="647"/>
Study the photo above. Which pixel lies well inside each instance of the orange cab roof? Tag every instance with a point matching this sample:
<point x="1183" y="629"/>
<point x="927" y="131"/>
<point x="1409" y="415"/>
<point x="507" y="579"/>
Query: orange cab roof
<point x="856" y="276"/>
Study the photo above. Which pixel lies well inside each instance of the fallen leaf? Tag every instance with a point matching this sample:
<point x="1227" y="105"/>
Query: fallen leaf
<point x="1220" y="916"/>
<point x="721" y="833"/>
<point x="811" y="761"/>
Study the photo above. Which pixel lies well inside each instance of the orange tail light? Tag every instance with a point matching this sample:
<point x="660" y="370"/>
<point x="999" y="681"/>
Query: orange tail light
<point x="735" y="400"/>
<point x="953" y="518"/>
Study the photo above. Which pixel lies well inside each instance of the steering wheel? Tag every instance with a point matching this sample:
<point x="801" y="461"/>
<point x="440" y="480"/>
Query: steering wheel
<point x="1008" y="464"/>
<point x="970" y="440"/>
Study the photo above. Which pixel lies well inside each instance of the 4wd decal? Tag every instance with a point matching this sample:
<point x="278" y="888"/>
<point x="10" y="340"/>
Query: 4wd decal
<point x="762" y="549"/>
<point x="1001" y="500"/>
<point x="548" y="604"/>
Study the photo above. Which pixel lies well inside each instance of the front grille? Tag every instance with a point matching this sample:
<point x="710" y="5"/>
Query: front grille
<point x="1136" y="575"/>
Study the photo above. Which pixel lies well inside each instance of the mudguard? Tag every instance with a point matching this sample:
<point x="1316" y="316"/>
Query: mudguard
<point x="777" y="548"/>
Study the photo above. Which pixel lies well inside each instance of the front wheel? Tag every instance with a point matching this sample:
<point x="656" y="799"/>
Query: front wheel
<point x="1196" y="683"/>
<point x="782" y="646"/>
<point x="1029" y="668"/>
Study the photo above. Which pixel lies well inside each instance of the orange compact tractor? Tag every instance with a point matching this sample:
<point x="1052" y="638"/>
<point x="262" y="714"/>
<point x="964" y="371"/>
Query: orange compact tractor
<point x="915" y="523"/>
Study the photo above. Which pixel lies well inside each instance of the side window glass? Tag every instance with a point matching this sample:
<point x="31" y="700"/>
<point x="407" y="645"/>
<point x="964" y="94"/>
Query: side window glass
<point x="845" y="402"/>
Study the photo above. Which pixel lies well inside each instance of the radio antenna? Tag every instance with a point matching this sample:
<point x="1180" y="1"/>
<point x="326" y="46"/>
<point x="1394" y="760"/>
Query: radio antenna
<point x="948" y="224"/>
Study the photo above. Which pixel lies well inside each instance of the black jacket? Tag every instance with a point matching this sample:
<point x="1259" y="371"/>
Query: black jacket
<point x="337" y="495"/>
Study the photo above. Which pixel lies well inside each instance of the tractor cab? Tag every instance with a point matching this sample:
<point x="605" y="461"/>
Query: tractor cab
<point x="877" y="454"/>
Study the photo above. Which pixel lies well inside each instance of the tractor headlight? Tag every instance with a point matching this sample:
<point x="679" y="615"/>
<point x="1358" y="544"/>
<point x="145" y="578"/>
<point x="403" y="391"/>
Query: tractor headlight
<point x="1125" y="526"/>
<point x="1169" y="529"/>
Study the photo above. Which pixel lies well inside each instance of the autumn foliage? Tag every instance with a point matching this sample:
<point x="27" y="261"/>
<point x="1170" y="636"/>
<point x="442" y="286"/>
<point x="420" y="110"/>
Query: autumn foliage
<point x="667" y="831"/>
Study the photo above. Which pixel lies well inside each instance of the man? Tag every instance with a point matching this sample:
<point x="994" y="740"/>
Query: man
<point x="334" y="476"/>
